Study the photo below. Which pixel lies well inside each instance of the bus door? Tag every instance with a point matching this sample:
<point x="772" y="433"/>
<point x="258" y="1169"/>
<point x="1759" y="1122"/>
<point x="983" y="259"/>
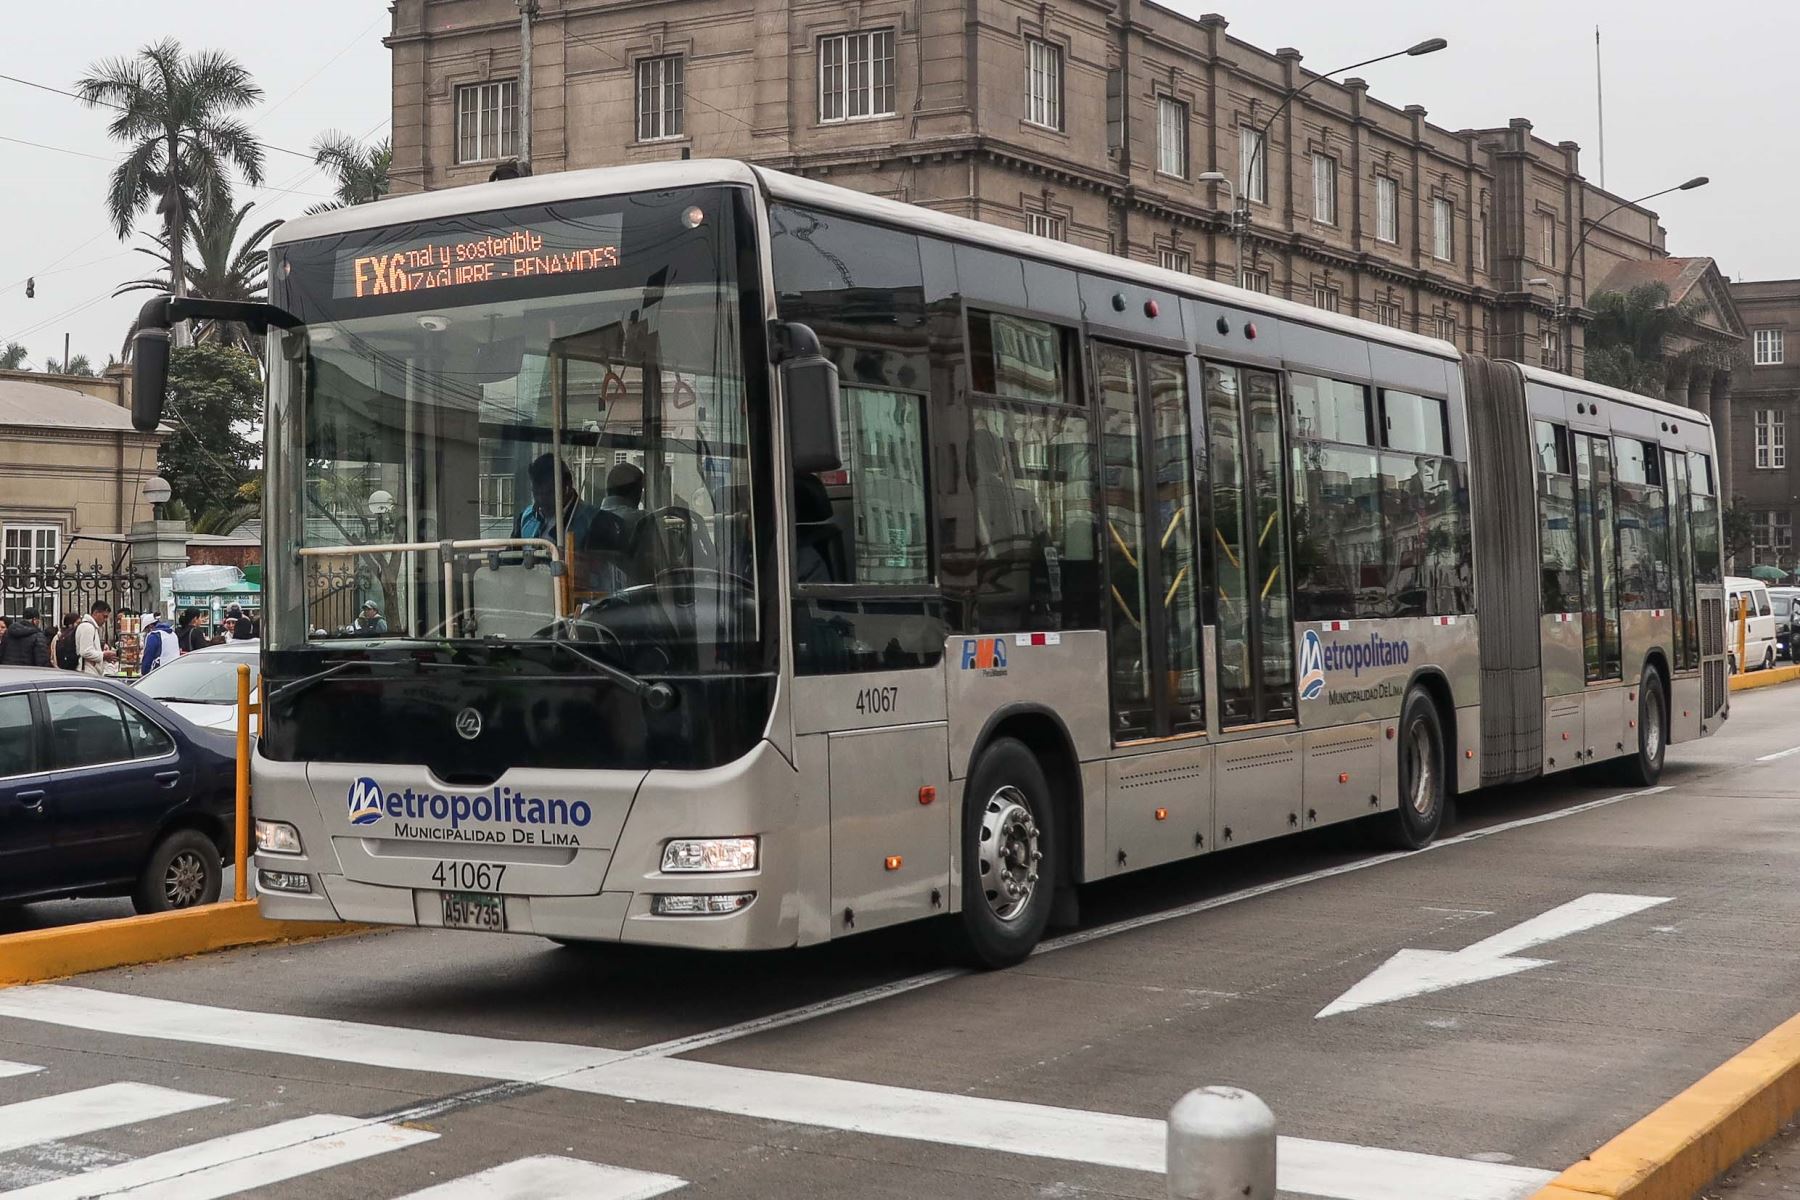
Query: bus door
<point x="1254" y="615"/>
<point x="1152" y="568"/>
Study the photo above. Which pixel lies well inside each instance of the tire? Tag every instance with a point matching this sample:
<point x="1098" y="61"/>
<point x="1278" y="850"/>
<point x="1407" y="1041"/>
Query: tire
<point x="184" y="871"/>
<point x="1643" y="768"/>
<point x="1769" y="659"/>
<point x="1423" y="775"/>
<point x="1009" y="860"/>
<point x="1731" y="662"/>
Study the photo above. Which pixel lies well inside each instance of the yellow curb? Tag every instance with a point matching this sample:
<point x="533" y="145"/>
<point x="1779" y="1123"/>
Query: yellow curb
<point x="1762" y="679"/>
<point x="1690" y="1141"/>
<point x="38" y="955"/>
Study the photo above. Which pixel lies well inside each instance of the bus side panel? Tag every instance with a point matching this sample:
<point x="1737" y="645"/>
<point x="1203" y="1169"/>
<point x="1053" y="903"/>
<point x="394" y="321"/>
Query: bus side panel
<point x="1564" y="732"/>
<point x="1560" y="636"/>
<point x="1603" y="726"/>
<point x="988" y="673"/>
<point x="1257" y="781"/>
<point x="1685" y="696"/>
<point x="890" y="839"/>
<point x="1343" y="771"/>
<point x="1159" y="807"/>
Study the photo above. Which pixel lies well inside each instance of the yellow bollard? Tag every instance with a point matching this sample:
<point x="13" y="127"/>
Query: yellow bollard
<point x="244" y="709"/>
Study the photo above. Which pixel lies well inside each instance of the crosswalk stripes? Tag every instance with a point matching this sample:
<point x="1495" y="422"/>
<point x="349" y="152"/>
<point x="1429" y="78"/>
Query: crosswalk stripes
<point x="10" y="1069"/>
<point x="551" y="1177"/>
<point x="71" y="1114"/>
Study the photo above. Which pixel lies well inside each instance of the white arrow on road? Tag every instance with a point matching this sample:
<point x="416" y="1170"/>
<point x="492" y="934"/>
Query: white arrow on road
<point x="1416" y="972"/>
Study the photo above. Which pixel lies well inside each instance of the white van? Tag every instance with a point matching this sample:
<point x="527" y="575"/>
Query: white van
<point x="1759" y="624"/>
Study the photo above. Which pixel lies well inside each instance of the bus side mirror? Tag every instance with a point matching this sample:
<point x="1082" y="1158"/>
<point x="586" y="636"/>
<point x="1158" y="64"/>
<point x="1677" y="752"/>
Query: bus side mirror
<point x="809" y="384"/>
<point x="149" y="378"/>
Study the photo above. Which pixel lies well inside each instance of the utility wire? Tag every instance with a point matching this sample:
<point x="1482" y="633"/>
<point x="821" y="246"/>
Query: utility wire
<point x="44" y="87"/>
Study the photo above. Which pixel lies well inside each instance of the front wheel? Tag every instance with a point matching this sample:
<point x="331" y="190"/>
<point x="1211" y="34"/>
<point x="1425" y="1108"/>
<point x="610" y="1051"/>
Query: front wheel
<point x="1423" y="782"/>
<point x="1644" y="767"/>
<point x="1009" y="872"/>
<point x="184" y="871"/>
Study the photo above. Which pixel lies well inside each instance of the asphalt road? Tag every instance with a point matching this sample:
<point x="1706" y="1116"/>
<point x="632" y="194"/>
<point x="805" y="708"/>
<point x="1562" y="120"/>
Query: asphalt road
<point x="1456" y="1024"/>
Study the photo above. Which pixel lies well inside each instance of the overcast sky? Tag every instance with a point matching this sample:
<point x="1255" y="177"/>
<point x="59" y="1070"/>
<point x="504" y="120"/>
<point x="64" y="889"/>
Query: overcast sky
<point x="1689" y="91"/>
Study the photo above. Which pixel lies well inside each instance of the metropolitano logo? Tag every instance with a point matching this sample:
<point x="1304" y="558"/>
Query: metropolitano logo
<point x="365" y="801"/>
<point x="1312" y="666"/>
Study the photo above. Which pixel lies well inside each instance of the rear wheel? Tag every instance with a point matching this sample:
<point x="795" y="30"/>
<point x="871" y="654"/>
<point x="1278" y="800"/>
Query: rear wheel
<point x="1423" y="783"/>
<point x="1009" y="872"/>
<point x="1769" y="659"/>
<point x="1644" y="767"/>
<point x="184" y="871"/>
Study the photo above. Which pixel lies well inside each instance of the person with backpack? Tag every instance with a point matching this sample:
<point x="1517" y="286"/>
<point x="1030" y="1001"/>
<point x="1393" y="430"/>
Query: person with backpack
<point x="160" y="645"/>
<point x="25" y="644"/>
<point x="97" y="658"/>
<point x="62" y="648"/>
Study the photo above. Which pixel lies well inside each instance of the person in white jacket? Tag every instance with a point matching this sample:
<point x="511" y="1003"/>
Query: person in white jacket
<point x="91" y="651"/>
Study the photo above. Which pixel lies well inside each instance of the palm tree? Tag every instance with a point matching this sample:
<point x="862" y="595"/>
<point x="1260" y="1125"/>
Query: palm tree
<point x="223" y="266"/>
<point x="1628" y="337"/>
<point x="362" y="172"/>
<point x="12" y="357"/>
<point x="78" y="364"/>
<point x="174" y="111"/>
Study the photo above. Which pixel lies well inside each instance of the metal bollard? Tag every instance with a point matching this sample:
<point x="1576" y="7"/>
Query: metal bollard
<point x="1221" y="1146"/>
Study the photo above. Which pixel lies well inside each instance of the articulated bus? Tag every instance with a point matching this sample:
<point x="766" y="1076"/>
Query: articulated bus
<point x="694" y="554"/>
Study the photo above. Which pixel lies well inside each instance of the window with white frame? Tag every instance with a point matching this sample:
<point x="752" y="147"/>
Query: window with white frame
<point x="1170" y="259"/>
<point x="29" y="551"/>
<point x="1548" y="238"/>
<point x="1325" y="189"/>
<point x="1771" y="439"/>
<point x="1171" y="137"/>
<point x="1446" y="328"/>
<point x="1256" y="281"/>
<point x="1772" y="537"/>
<point x="1387" y="209"/>
<point x="856" y="75"/>
<point x="1550" y="347"/>
<point x="1443" y="228"/>
<point x="1326" y="297"/>
<point x="659" y="87"/>
<point x="1253" y="166"/>
<point x="1771" y="348"/>
<point x="1044" y="225"/>
<point x="1043" y="83"/>
<point x="1387" y="312"/>
<point x="487" y="121"/>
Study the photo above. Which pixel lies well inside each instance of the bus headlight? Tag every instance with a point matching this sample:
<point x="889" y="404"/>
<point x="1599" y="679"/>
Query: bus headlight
<point x="283" y="881"/>
<point x="277" y="837"/>
<point x="700" y="906"/>
<point x="710" y="854"/>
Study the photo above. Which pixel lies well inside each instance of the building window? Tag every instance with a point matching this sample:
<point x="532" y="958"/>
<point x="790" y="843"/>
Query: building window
<point x="1387" y="312"/>
<point x="1771" y="537"/>
<point x="1481" y="235"/>
<point x="1325" y="189"/>
<point x="1044" y="225"/>
<point x="659" y="82"/>
<point x="856" y="75"/>
<point x="1446" y="329"/>
<point x="1171" y="137"/>
<point x="1387" y="209"/>
<point x="1253" y="166"/>
<point x="1549" y="239"/>
<point x="1325" y="297"/>
<point x="1174" y="260"/>
<point x="1771" y="439"/>
<point x="487" y="121"/>
<point x="31" y="550"/>
<point x="1443" y="228"/>
<point x="1043" y="83"/>
<point x="1256" y="281"/>
<point x="1771" y="348"/>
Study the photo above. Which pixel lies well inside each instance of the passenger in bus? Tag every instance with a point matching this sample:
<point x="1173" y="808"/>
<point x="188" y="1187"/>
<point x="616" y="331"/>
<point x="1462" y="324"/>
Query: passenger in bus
<point x="539" y="519"/>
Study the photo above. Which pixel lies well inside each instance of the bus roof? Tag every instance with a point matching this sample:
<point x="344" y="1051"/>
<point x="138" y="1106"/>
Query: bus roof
<point x="637" y="177"/>
<point x="1588" y="387"/>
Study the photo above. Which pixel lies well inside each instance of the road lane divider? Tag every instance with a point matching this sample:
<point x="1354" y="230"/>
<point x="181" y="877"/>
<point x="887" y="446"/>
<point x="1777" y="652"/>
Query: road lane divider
<point x="73" y="1114"/>
<point x="552" y="1177"/>
<point x="1763" y="679"/>
<point x="38" y="955"/>
<point x="1679" y="1149"/>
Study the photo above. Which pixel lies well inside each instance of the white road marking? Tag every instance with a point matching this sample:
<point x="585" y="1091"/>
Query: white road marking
<point x="235" y="1163"/>
<point x="10" y="1069"/>
<point x="549" y="1177"/>
<point x="1779" y="754"/>
<point x="71" y="1114"/>
<point x="1417" y="972"/>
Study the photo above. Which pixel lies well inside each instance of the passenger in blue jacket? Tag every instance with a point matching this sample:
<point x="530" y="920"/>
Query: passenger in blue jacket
<point x="160" y="645"/>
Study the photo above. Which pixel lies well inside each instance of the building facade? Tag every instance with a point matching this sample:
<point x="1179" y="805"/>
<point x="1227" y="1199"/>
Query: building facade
<point x="1767" y="406"/>
<point x="1090" y="121"/>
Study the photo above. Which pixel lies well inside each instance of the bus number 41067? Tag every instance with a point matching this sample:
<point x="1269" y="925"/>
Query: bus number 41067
<point x="469" y="876"/>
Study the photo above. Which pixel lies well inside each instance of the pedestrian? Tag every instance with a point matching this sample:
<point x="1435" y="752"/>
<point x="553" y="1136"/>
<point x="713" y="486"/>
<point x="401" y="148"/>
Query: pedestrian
<point x="371" y="623"/>
<point x="62" y="653"/>
<point x="25" y="644"/>
<point x="241" y="627"/>
<point x="189" y="635"/>
<point x="160" y="644"/>
<point x="97" y="658"/>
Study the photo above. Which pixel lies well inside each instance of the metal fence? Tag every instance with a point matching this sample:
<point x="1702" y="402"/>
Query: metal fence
<point x="71" y="587"/>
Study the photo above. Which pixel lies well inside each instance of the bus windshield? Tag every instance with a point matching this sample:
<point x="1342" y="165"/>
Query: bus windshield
<point x="516" y="427"/>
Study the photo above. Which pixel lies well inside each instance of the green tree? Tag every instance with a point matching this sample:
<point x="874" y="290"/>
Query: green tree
<point x="215" y="399"/>
<point x="13" y="356"/>
<point x="223" y="266"/>
<point x="245" y="504"/>
<point x="78" y="364"/>
<point x="362" y="171"/>
<point x="1628" y="339"/>
<point x="1737" y="521"/>
<point x="174" y="112"/>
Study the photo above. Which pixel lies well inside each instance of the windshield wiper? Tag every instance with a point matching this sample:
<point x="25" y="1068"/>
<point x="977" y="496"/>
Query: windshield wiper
<point x="306" y="681"/>
<point x="658" y="697"/>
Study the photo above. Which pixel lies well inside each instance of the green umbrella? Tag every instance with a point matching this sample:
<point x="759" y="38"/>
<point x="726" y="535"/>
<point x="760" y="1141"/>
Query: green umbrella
<point x="1767" y="574"/>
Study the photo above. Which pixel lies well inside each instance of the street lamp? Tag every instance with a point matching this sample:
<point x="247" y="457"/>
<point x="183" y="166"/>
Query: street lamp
<point x="1237" y="275"/>
<point x="1241" y="218"/>
<point x="1566" y="305"/>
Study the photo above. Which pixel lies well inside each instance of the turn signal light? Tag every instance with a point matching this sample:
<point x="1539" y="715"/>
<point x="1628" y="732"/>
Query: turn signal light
<point x="1162" y="814"/>
<point x="927" y="794"/>
<point x="1343" y="777"/>
<point x="893" y="862"/>
<point x="1468" y="754"/>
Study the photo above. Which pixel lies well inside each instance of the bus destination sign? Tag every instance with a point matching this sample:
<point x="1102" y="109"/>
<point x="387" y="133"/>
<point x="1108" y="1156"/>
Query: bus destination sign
<point x="477" y="255"/>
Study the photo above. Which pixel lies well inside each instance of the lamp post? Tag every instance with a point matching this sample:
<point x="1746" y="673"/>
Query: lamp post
<point x="1241" y="217"/>
<point x="1566" y="305"/>
<point x="1237" y="275"/>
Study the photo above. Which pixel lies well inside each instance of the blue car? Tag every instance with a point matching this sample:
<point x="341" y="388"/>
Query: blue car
<point x="105" y="792"/>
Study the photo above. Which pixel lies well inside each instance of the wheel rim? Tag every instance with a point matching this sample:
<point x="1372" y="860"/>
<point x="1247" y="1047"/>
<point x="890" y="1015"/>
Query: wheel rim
<point x="1008" y="853"/>
<point x="1653" y="728"/>
<point x="185" y="880"/>
<point x="1422" y="759"/>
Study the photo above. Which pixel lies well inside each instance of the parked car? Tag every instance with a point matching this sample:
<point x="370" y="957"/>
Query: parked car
<point x="1758" y="624"/>
<point x="1786" y="601"/>
<point x="105" y="792"/>
<point x="202" y="687"/>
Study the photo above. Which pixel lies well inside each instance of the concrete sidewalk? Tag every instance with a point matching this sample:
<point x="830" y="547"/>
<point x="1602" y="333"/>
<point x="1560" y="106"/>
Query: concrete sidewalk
<point x="1769" y="1173"/>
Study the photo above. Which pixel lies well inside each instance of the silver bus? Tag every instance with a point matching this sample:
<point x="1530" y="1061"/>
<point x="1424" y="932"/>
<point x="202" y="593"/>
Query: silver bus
<point x="695" y="554"/>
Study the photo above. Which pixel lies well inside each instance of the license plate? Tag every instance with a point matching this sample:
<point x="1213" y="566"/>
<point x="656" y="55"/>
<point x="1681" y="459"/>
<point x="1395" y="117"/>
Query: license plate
<point x="471" y="910"/>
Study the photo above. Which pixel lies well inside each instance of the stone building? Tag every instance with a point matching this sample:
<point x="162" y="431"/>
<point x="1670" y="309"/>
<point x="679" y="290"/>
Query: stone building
<point x="1767" y="405"/>
<point x="1084" y="120"/>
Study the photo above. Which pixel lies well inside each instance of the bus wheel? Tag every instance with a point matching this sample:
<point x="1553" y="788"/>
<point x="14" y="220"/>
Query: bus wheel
<point x="1423" y="785"/>
<point x="1642" y="768"/>
<point x="1009" y="862"/>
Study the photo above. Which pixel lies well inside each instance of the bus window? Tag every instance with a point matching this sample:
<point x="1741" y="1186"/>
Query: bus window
<point x="1643" y="558"/>
<point x="1708" y="567"/>
<point x="1414" y="423"/>
<point x="1560" y="558"/>
<point x="1340" y="554"/>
